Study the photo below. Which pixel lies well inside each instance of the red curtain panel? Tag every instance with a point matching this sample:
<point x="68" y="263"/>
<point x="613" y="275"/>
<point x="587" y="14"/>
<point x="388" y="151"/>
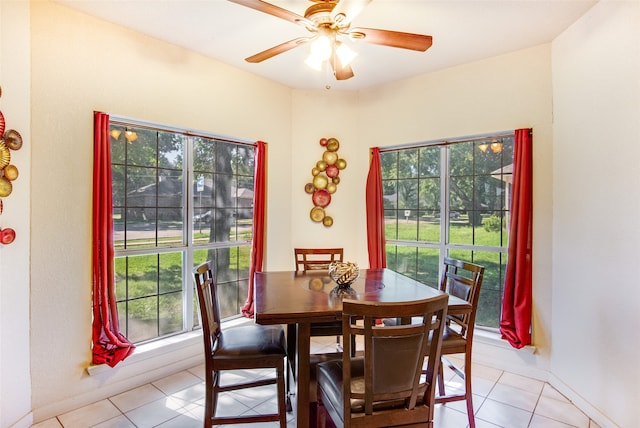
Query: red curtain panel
<point x="109" y="345"/>
<point x="515" y="325"/>
<point x="375" y="214"/>
<point x="259" y="206"/>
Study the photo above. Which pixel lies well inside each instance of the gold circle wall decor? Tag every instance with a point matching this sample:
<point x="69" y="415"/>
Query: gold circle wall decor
<point x="325" y="177"/>
<point x="10" y="139"/>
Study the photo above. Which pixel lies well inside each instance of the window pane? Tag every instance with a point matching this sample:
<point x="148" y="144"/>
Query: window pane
<point x="169" y="227"/>
<point x="390" y="224"/>
<point x="117" y="144"/>
<point x="170" y="272"/>
<point x="493" y="231"/>
<point x="170" y="189"/>
<point x="143" y="150"/>
<point x="204" y="157"/>
<point x="141" y="187"/>
<point x="461" y="233"/>
<point x="428" y="266"/>
<point x="170" y="309"/>
<point x="478" y="180"/>
<point x="407" y="226"/>
<point x="142" y="319"/>
<point x="389" y="165"/>
<point x="408" y="163"/>
<point x="118" y="228"/>
<point x="461" y="159"/>
<point x="430" y="193"/>
<point x="430" y="161"/>
<point x="142" y="274"/>
<point x="120" y="274"/>
<point x="150" y="200"/>
<point x="406" y="261"/>
<point x="490" y="304"/>
<point x="408" y="194"/>
<point x="118" y="190"/>
<point x="244" y="261"/>
<point x="428" y="227"/>
<point x="391" y="257"/>
<point x="170" y="150"/>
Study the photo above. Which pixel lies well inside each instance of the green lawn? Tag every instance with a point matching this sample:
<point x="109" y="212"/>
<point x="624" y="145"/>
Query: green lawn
<point x="423" y="263"/>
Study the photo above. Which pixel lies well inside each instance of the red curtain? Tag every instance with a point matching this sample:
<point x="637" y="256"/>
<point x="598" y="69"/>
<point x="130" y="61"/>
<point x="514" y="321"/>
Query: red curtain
<point x="375" y="214"/>
<point x="515" y="325"/>
<point x="259" y="206"/>
<point x="109" y="345"/>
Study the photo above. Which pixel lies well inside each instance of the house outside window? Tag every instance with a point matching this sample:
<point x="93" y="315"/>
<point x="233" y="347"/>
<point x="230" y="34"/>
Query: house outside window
<point x="450" y="199"/>
<point x="179" y="199"/>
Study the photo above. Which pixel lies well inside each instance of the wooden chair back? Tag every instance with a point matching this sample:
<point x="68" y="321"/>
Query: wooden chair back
<point x="249" y="346"/>
<point x="463" y="280"/>
<point x="209" y="308"/>
<point x="316" y="258"/>
<point x="386" y="387"/>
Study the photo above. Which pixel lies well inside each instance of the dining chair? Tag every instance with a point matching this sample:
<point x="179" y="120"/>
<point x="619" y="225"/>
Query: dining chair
<point x="312" y="259"/>
<point x="237" y="348"/>
<point x="316" y="259"/>
<point x="461" y="279"/>
<point x="387" y="386"/>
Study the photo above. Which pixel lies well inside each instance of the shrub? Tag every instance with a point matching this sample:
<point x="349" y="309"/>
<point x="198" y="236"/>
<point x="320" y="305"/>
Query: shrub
<point x="491" y="223"/>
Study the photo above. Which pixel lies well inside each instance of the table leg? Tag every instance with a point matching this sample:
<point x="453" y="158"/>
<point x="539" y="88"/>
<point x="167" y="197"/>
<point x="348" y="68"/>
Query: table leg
<point x="304" y="346"/>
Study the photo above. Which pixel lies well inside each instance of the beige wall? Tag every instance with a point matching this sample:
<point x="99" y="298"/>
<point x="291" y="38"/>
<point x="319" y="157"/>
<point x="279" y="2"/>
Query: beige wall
<point x="497" y="94"/>
<point x="596" y="251"/>
<point x="317" y="114"/>
<point x="15" y="379"/>
<point x="80" y="64"/>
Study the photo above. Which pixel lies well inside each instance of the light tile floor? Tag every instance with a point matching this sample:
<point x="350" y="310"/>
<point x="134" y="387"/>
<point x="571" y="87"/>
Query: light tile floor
<point x="501" y="399"/>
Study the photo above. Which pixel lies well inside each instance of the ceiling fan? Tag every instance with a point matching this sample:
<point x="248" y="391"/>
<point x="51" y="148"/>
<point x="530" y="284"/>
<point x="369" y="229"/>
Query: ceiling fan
<point x="328" y="21"/>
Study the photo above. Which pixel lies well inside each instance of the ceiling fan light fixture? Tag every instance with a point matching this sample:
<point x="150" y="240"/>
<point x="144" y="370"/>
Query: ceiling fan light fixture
<point x="314" y="62"/>
<point x="345" y="54"/>
<point x="321" y="48"/>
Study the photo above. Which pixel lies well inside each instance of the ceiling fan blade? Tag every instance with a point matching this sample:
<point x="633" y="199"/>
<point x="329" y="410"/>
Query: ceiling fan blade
<point x="341" y="72"/>
<point x="395" y="39"/>
<point x="346" y="10"/>
<point x="274" y="10"/>
<point x="283" y="47"/>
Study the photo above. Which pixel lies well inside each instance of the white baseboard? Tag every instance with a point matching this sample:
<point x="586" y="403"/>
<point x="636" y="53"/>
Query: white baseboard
<point x="148" y="363"/>
<point x="24" y="422"/>
<point x="592" y="412"/>
<point x="145" y="365"/>
<point x="490" y="350"/>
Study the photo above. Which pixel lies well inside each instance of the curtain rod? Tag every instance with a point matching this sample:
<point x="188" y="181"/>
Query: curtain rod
<point x="447" y="141"/>
<point x="127" y="121"/>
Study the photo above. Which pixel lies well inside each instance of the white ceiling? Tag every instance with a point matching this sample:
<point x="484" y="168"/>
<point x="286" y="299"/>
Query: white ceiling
<point x="462" y="31"/>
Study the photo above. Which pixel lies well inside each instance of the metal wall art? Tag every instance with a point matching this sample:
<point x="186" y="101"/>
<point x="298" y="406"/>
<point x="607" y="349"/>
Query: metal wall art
<point x="326" y="177"/>
<point x="10" y="140"/>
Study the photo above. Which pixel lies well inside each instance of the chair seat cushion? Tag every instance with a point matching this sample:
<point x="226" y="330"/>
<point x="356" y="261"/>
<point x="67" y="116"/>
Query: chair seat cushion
<point x="251" y="341"/>
<point x="330" y="380"/>
<point x="452" y="341"/>
<point x="330" y="328"/>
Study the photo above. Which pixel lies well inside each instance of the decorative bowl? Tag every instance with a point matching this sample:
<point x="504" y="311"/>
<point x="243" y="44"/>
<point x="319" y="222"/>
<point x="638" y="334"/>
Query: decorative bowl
<point x="344" y="273"/>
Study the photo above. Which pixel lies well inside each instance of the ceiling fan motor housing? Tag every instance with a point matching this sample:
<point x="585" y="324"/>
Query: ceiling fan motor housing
<point x="320" y="13"/>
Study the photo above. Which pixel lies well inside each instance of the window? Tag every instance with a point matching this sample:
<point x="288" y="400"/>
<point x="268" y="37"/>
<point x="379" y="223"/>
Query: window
<point x="163" y="226"/>
<point x="450" y="199"/>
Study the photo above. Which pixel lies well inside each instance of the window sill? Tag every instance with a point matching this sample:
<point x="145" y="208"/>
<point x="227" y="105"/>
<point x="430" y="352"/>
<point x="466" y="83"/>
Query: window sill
<point x="493" y="338"/>
<point x="161" y="347"/>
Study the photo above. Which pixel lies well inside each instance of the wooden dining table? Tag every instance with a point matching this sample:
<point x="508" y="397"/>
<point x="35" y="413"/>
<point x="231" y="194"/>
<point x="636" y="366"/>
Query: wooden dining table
<point x="297" y="298"/>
